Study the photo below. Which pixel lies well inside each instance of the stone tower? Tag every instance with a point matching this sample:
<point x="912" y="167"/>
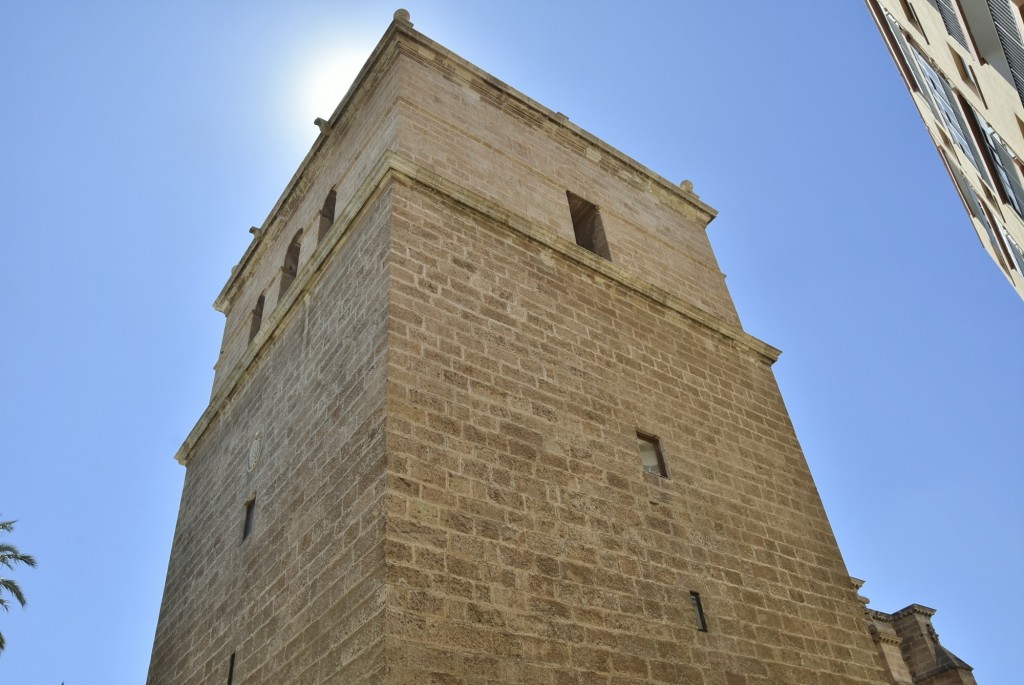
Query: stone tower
<point x="485" y="413"/>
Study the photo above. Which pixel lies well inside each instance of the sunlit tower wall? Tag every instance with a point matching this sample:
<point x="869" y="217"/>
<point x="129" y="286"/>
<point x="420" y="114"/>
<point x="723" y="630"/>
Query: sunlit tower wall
<point x="485" y="413"/>
<point x="963" y="62"/>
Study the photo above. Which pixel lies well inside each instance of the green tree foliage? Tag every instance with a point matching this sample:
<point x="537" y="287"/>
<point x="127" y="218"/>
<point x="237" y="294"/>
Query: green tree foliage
<point x="9" y="558"/>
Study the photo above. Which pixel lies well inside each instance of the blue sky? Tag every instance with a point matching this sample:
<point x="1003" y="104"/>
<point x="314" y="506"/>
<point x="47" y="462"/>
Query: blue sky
<point x="141" y="140"/>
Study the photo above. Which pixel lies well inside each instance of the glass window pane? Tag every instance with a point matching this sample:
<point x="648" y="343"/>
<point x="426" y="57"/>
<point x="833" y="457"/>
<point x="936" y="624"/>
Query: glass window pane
<point x="650" y="456"/>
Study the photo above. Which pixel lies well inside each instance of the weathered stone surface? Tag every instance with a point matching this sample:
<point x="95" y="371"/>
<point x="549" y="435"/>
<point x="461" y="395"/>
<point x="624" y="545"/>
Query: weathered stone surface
<point x="911" y="651"/>
<point x="448" y="398"/>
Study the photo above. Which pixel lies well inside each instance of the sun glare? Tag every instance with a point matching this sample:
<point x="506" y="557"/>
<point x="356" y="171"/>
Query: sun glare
<point x="328" y="77"/>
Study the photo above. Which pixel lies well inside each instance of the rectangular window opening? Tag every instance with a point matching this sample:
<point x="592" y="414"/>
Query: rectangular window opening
<point x="250" y="509"/>
<point x="698" y="612"/>
<point x="966" y="72"/>
<point x="231" y="668"/>
<point x="651" y="456"/>
<point x="587" y="225"/>
<point x="911" y="13"/>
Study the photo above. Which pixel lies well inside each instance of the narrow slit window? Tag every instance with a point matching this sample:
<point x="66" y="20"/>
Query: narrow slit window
<point x="588" y="227"/>
<point x="250" y="511"/>
<point x="291" y="263"/>
<point x="231" y="669"/>
<point x="327" y="214"/>
<point x="698" y="612"/>
<point x="651" y="456"/>
<point x="257" y="317"/>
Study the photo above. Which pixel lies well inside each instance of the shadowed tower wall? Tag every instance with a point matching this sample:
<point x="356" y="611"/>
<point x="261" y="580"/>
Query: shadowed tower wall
<point x="446" y="398"/>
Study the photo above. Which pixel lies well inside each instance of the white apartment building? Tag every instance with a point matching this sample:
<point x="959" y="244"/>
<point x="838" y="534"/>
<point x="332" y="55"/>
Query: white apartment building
<point x="963" y="61"/>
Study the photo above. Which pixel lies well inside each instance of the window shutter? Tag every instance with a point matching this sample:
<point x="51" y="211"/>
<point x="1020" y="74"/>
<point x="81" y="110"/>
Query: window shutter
<point x="1010" y="39"/>
<point x="951" y="18"/>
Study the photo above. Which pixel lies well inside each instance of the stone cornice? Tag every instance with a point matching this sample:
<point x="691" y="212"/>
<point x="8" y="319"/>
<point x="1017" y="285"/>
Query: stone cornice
<point x="606" y="210"/>
<point x="914" y="609"/>
<point x="543" y="235"/>
<point x="306" y="277"/>
<point x="556" y="124"/>
<point x="391" y="166"/>
<point x="884" y="637"/>
<point x="362" y="85"/>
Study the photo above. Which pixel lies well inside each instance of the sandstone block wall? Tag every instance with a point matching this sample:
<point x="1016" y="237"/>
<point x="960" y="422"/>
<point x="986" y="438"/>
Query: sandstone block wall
<point x="525" y="544"/>
<point x="447" y="402"/>
<point x="342" y="161"/>
<point x="911" y="651"/>
<point x="465" y="126"/>
<point x="301" y="599"/>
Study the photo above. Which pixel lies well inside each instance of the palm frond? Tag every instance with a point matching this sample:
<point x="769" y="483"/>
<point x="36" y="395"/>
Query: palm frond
<point x="11" y="587"/>
<point x="9" y="556"/>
